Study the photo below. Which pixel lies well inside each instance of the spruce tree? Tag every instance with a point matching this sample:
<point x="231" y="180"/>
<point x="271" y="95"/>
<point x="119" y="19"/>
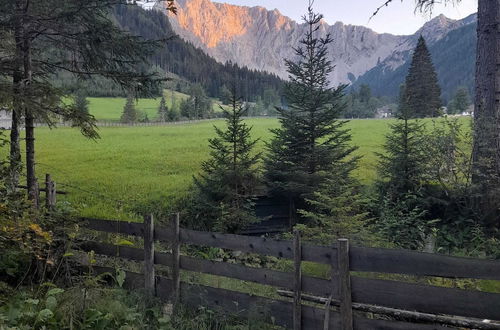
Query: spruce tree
<point x="422" y="91"/>
<point x="311" y="145"/>
<point x="229" y="179"/>
<point x="163" y="110"/>
<point x="81" y="103"/>
<point x="402" y="165"/>
<point x="460" y="101"/>
<point x="129" y="114"/>
<point x="403" y="177"/>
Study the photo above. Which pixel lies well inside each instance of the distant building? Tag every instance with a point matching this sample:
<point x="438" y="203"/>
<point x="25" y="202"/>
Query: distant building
<point x="5" y="119"/>
<point x="383" y="112"/>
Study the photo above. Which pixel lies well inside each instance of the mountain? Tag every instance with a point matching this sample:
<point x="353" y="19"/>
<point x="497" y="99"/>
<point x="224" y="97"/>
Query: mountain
<point x="453" y="56"/>
<point x="260" y="39"/>
<point x="179" y="59"/>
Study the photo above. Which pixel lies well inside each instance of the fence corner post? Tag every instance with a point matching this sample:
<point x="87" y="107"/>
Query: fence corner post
<point x="297" y="259"/>
<point x="344" y="284"/>
<point x="176" y="255"/>
<point x="149" y="256"/>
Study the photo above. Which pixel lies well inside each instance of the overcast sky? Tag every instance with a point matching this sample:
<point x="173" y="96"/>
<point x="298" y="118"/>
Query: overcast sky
<point x="397" y="18"/>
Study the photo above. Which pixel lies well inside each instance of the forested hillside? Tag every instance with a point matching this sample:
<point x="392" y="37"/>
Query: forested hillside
<point x="187" y="63"/>
<point x="453" y="57"/>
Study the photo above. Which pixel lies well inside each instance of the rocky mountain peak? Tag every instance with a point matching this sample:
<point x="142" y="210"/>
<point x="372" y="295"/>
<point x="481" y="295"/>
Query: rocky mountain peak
<point x="260" y="39"/>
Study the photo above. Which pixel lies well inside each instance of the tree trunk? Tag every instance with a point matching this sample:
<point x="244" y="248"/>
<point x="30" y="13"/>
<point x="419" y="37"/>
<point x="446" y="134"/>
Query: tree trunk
<point x="29" y="124"/>
<point x="17" y="104"/>
<point x="486" y="151"/>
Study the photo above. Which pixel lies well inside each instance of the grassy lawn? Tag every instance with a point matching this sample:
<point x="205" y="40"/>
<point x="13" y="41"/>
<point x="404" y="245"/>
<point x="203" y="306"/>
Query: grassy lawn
<point x="131" y="165"/>
<point x="111" y="108"/>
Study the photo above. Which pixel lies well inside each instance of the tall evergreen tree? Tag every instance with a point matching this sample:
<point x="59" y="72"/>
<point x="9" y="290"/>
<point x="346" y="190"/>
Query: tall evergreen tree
<point x="229" y="179"/>
<point x="312" y="144"/>
<point x="163" y="110"/>
<point x="129" y="114"/>
<point x="422" y="92"/>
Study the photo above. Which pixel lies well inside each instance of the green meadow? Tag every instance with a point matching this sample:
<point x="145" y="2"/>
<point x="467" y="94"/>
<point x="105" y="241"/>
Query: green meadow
<point x="129" y="166"/>
<point x="111" y="108"/>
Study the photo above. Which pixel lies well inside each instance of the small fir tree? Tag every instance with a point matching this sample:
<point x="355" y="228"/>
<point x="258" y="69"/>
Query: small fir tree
<point x="402" y="166"/>
<point x="460" y="101"/>
<point x="229" y="179"/>
<point x="163" y="110"/>
<point x="311" y="145"/>
<point x="422" y="92"/>
<point x="81" y="103"/>
<point x="129" y="114"/>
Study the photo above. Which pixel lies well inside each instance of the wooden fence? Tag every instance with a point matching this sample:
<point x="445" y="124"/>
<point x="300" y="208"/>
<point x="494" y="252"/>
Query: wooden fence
<point x="403" y="305"/>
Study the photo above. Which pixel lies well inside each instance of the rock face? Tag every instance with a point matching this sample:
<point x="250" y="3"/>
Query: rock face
<point x="260" y="39"/>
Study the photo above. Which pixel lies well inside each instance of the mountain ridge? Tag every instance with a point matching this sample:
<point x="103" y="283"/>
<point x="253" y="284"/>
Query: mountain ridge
<point x="260" y="39"/>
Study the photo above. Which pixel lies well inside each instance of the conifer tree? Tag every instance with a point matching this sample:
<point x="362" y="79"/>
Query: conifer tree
<point x="129" y="114"/>
<point x="229" y="179"/>
<point x="402" y="166"/>
<point x="311" y="145"/>
<point x="173" y="113"/>
<point x="163" y="110"/>
<point x="422" y="92"/>
<point x="81" y="103"/>
<point x="460" y="101"/>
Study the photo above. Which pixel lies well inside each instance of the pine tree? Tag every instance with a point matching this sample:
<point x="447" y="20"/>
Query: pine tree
<point x="163" y="110"/>
<point x="311" y="145"/>
<point x="422" y="91"/>
<point x="173" y="113"/>
<point x="229" y="179"/>
<point x="129" y="114"/>
<point x="460" y="101"/>
<point x="81" y="103"/>
<point x="402" y="166"/>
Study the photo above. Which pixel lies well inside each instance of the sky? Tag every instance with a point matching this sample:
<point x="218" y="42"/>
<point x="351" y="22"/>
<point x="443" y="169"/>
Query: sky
<point x="398" y="18"/>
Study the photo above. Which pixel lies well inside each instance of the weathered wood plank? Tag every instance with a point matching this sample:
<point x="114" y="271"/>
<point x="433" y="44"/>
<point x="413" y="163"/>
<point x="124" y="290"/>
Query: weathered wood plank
<point x="400" y="314"/>
<point x="344" y="284"/>
<point x="113" y="250"/>
<point x="176" y="254"/>
<point x="424" y="264"/>
<point x="112" y="226"/>
<point x="425" y="298"/>
<point x="274" y="311"/>
<point x="297" y="281"/>
<point x="313" y="285"/>
<point x="149" y="257"/>
<point x="259" y="245"/>
<point x="263" y="309"/>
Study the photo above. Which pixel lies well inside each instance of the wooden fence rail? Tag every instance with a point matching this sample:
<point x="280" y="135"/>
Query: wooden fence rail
<point x="349" y="290"/>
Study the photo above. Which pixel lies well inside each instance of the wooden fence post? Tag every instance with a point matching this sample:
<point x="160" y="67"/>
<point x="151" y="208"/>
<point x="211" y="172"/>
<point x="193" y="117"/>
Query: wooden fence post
<point x="297" y="258"/>
<point x="344" y="284"/>
<point x="50" y="192"/>
<point x="34" y="194"/>
<point x="149" y="257"/>
<point x="333" y="292"/>
<point x="176" y="254"/>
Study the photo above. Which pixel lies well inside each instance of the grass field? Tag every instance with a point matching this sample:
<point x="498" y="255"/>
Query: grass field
<point x="131" y="165"/>
<point x="111" y="108"/>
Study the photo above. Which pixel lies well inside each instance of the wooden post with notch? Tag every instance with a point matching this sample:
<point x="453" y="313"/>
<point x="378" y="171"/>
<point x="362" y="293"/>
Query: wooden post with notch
<point x="176" y="257"/>
<point x="297" y="259"/>
<point x="149" y="257"/>
<point x="334" y="294"/>
<point x="50" y="192"/>
<point x="344" y="279"/>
